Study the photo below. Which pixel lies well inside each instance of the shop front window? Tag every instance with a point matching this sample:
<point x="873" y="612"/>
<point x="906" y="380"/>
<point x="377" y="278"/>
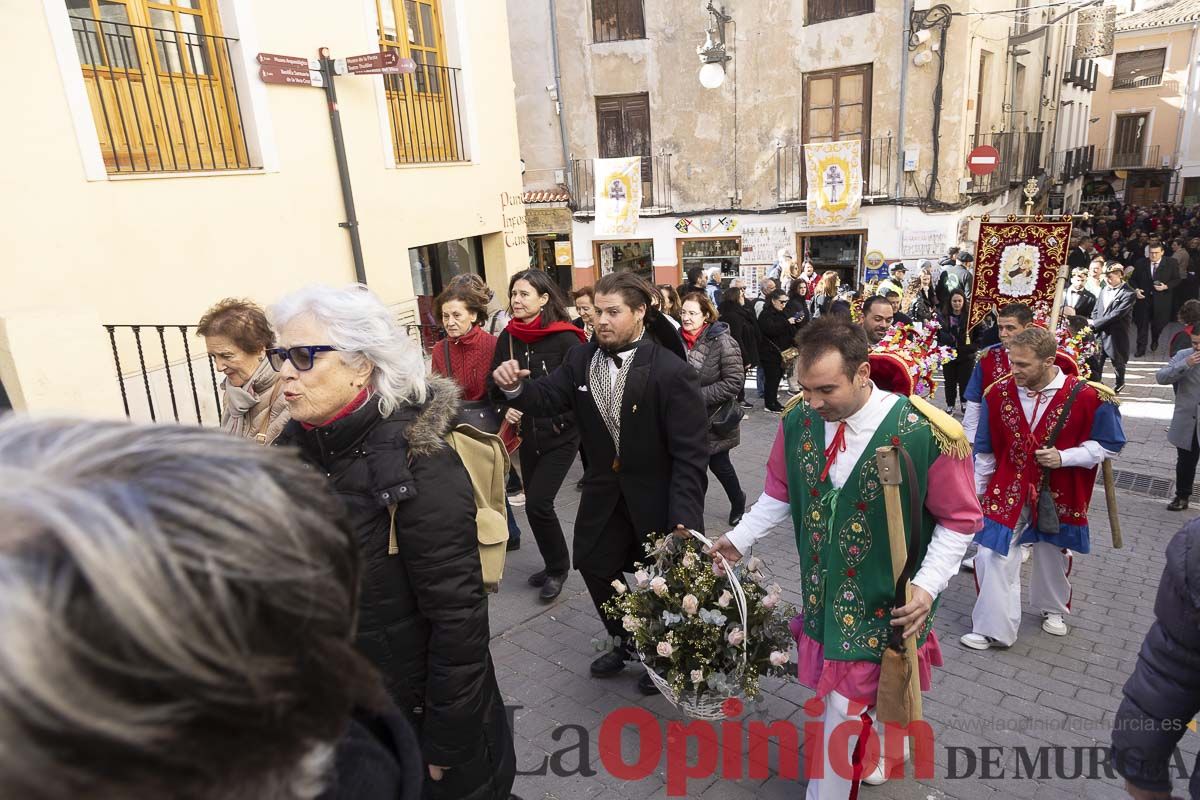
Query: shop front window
<point x="551" y="254"/>
<point x="841" y="253"/>
<point x="631" y="256"/>
<point x="709" y="254"/>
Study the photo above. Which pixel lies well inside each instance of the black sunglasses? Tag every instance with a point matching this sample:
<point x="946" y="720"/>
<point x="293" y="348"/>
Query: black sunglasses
<point x="301" y="357"/>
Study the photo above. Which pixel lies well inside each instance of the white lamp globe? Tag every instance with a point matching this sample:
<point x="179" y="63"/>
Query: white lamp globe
<point x="712" y="76"/>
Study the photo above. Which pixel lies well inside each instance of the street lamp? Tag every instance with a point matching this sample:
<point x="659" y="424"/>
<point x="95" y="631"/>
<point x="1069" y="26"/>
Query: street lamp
<point x="712" y="52"/>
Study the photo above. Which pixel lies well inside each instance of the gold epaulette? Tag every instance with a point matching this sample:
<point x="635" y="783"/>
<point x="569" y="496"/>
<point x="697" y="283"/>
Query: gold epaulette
<point x="951" y="438"/>
<point x="996" y="382"/>
<point x="790" y="404"/>
<point x="1106" y="394"/>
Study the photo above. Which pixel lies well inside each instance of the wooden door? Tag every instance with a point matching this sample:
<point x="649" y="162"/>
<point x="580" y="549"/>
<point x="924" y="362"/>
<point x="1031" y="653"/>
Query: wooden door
<point x="423" y="105"/>
<point x="1129" y="140"/>
<point x="837" y="108"/>
<point x="623" y="129"/>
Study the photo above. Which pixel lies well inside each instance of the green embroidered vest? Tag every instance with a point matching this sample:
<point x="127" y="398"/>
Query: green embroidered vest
<point x="842" y="535"/>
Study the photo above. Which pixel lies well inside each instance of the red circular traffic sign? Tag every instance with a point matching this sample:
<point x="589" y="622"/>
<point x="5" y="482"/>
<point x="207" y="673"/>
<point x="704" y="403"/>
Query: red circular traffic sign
<point x="983" y="160"/>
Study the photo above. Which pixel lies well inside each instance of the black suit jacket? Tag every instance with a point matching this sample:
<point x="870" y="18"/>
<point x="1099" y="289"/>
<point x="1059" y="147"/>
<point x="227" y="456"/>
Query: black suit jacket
<point x="1168" y="273"/>
<point x="1085" y="303"/>
<point x="662" y="474"/>
<point x="1111" y="321"/>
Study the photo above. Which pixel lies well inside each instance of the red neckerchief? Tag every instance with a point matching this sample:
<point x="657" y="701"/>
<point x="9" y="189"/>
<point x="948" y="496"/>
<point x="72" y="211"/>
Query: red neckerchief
<point x="532" y="332"/>
<point x="354" y="405"/>
<point x="690" y="339"/>
<point x="838" y="445"/>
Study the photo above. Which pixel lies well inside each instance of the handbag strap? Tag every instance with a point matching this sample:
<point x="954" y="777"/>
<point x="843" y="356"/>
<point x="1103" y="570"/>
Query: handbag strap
<point x="449" y="367"/>
<point x="1058" y="426"/>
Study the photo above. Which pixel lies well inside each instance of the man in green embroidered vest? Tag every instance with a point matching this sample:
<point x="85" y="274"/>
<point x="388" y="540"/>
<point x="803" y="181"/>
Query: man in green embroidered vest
<point x="822" y="474"/>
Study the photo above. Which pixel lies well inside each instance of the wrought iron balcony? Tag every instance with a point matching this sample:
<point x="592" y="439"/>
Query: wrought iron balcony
<point x="878" y="169"/>
<point x="656" y="185"/>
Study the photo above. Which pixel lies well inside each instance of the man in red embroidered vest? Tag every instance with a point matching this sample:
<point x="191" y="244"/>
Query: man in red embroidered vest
<point x="1014" y="459"/>
<point x="822" y="475"/>
<point x="993" y="362"/>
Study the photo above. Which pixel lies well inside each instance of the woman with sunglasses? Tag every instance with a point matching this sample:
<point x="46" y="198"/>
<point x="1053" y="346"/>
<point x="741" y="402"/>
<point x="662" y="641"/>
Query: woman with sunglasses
<point x="539" y="337"/>
<point x="365" y="414"/>
<point x="237" y="335"/>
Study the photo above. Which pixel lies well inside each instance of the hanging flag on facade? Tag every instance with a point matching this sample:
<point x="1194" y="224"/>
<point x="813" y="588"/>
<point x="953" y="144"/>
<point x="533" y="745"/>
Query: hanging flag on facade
<point x="1018" y="262"/>
<point x="834" y="171"/>
<point x="618" y="195"/>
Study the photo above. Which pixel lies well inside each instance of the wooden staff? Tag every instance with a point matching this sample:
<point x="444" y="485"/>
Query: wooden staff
<point x="1110" y="501"/>
<point x="887" y="461"/>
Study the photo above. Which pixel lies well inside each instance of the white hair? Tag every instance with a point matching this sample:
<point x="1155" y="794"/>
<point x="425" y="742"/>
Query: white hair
<point x="360" y="326"/>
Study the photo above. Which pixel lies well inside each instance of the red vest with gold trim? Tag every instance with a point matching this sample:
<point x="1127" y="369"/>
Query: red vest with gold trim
<point x="1015" y="482"/>
<point x="994" y="365"/>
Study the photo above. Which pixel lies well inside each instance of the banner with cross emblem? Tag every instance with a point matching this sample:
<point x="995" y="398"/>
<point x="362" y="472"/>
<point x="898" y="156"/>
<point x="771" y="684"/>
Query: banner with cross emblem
<point x="618" y="195"/>
<point x="834" y="173"/>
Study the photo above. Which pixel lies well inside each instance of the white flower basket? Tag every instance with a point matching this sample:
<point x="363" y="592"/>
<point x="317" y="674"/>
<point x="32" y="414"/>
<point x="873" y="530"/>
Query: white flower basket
<point x="699" y="705"/>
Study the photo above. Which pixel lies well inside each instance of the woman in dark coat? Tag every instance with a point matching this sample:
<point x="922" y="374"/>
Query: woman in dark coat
<point x="743" y="326"/>
<point x="1163" y="694"/>
<point x="539" y="337"/>
<point x="956" y="373"/>
<point x="778" y="334"/>
<point x="364" y="414"/>
<point x="714" y="353"/>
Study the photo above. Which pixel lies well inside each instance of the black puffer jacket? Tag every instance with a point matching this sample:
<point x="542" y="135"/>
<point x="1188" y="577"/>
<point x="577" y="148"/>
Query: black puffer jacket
<point x="540" y="358"/>
<point x="423" y="612"/>
<point x="1163" y="694"/>
<point x="743" y="326"/>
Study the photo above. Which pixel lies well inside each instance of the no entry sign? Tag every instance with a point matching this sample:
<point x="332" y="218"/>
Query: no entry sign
<point x="983" y="160"/>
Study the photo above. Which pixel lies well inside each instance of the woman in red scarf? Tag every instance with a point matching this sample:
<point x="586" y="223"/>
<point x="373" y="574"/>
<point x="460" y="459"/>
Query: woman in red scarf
<point x="539" y="337"/>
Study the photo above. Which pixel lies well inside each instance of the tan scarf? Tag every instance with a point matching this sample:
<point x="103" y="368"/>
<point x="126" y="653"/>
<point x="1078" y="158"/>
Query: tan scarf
<point x="245" y="406"/>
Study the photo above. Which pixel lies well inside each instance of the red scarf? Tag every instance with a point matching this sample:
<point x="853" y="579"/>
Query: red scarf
<point x="532" y="332"/>
<point x="689" y="339"/>
<point x="347" y="410"/>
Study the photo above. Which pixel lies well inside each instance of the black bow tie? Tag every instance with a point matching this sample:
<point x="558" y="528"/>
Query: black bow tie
<point x="618" y="356"/>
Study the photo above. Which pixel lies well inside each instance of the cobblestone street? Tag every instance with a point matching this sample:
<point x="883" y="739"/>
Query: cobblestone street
<point x="1043" y="692"/>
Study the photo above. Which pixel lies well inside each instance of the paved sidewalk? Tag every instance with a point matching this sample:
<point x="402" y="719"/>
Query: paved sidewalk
<point x="1043" y="692"/>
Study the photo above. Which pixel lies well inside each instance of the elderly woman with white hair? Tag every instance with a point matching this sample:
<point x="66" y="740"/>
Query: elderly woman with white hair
<point x="178" y="611"/>
<point x="365" y="414"/>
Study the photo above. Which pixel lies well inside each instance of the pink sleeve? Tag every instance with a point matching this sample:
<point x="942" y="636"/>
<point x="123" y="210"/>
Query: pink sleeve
<point x="776" y="484"/>
<point x="954" y="505"/>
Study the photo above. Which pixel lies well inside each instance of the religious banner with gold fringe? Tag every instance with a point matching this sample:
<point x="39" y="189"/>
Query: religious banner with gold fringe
<point x="834" y="171"/>
<point x="1017" y="262"/>
<point x="618" y="195"/>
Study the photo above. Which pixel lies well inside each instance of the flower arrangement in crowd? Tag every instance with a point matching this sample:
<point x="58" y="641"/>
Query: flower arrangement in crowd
<point x="916" y="350"/>
<point x="686" y="624"/>
<point x="1081" y="346"/>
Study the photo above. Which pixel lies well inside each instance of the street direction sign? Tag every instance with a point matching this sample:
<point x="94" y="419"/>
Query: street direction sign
<point x="384" y="62"/>
<point x="297" y="62"/>
<point x="291" y="76"/>
<point x="983" y="160"/>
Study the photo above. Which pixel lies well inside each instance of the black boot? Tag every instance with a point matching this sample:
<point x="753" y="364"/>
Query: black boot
<point x="609" y="664"/>
<point x="552" y="588"/>
<point x="737" y="509"/>
<point x="538" y="578"/>
<point x="1178" y="504"/>
<point x="646" y="684"/>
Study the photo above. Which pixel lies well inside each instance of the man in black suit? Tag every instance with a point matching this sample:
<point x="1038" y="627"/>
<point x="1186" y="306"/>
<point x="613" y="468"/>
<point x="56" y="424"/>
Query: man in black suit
<point x="645" y="432"/>
<point x="1110" y="320"/>
<point x="1081" y="254"/>
<point x="1153" y="280"/>
<point x="1078" y="301"/>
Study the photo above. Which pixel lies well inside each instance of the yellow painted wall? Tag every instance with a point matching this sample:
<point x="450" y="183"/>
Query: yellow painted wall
<point x="161" y="250"/>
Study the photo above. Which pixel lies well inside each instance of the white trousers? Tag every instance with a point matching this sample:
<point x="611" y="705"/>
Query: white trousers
<point x="840" y="719"/>
<point x="997" y="611"/>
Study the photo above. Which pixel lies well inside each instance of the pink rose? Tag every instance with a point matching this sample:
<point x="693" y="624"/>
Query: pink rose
<point x="630" y="623"/>
<point x="736" y="636"/>
<point x="642" y="577"/>
<point x="770" y="601"/>
<point x="659" y="586"/>
<point x="697" y="675"/>
<point x="664" y="649"/>
<point x="690" y="604"/>
<point x="725" y="599"/>
<point x="778" y="659"/>
<point x="754" y="564"/>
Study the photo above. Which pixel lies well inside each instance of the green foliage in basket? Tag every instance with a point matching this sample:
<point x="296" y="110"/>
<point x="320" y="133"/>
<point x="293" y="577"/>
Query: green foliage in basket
<point x="684" y="621"/>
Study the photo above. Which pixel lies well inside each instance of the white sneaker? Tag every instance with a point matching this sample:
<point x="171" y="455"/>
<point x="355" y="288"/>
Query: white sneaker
<point x="879" y="775"/>
<point x="1053" y="624"/>
<point x="516" y="499"/>
<point x="1026" y="552"/>
<point x="968" y="563"/>
<point x="977" y="641"/>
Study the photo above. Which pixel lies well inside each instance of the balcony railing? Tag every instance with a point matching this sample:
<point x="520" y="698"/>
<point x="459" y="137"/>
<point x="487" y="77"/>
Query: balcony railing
<point x="162" y="100"/>
<point x="1146" y="157"/>
<point x="878" y="169"/>
<point x="1020" y="158"/>
<point x="656" y="185"/>
<point x="425" y="111"/>
<point x="1138" y="83"/>
<point x="1072" y="163"/>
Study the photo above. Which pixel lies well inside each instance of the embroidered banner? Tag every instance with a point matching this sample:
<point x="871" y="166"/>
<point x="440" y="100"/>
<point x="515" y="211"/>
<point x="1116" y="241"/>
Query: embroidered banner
<point x="618" y="195"/>
<point x="1017" y="262"/>
<point x="834" y="171"/>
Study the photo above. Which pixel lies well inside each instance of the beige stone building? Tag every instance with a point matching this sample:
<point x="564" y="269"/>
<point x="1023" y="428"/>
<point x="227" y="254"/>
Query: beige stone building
<point x="153" y="170"/>
<point x="723" y="176"/>
<point x="1147" y="108"/>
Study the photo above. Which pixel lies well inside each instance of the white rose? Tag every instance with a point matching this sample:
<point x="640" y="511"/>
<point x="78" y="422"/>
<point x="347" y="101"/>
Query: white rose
<point x="689" y="559"/>
<point x="642" y="577"/>
<point x="659" y="585"/>
<point x="630" y="623"/>
<point x="664" y="649"/>
<point x="754" y="564"/>
<point x="619" y="587"/>
<point x="736" y="636"/>
<point x="697" y="675"/>
<point x="778" y="659"/>
<point x="725" y="599"/>
<point x="691" y="604"/>
<point x="770" y="601"/>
